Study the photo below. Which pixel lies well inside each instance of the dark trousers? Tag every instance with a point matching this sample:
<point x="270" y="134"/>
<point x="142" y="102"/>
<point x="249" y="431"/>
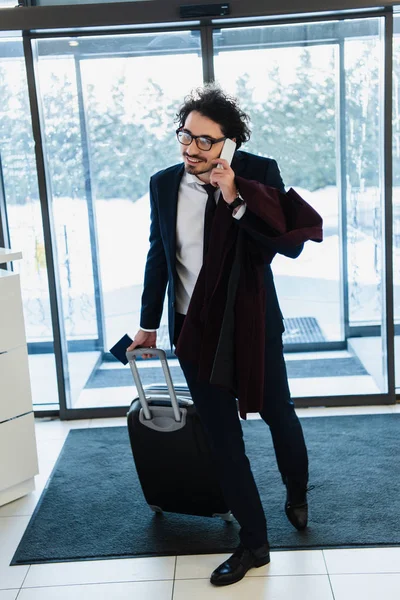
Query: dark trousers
<point x="218" y="412"/>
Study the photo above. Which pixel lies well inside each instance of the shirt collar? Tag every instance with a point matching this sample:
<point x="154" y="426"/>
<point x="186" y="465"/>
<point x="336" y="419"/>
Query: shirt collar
<point x="192" y="179"/>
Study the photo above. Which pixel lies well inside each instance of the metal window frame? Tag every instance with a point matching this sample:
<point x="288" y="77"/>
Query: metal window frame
<point x="56" y="309"/>
<point x="142" y="13"/>
<point x="4" y="230"/>
<point x="87" y="169"/>
<point x="341" y="152"/>
<point x="386" y="164"/>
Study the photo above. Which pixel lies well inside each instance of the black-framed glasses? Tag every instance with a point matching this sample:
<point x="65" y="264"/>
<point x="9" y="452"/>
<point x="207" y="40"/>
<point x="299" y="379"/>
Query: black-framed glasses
<point x="202" y="141"/>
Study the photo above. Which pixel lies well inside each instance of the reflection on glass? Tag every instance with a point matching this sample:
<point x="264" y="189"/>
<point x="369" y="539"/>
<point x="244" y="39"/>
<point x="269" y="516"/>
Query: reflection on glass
<point x="24" y="219"/>
<point x="109" y="107"/>
<point x="288" y="80"/>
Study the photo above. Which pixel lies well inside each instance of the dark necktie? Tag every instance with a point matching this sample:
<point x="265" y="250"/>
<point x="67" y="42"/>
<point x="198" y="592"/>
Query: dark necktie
<point x="211" y="207"/>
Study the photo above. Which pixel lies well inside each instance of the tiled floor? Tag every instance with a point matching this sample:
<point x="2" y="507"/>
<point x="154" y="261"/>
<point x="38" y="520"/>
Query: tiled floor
<point x="362" y="574"/>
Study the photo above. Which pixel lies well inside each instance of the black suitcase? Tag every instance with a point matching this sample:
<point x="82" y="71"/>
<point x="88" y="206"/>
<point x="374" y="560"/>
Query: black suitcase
<point x="172" y="457"/>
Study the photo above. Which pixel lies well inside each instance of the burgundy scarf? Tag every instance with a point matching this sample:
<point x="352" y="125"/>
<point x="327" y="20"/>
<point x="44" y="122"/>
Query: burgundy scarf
<point x="224" y="329"/>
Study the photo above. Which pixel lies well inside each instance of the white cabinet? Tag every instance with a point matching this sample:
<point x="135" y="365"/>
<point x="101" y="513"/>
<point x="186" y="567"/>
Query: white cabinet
<point x="12" y="329"/>
<point x="18" y="454"/>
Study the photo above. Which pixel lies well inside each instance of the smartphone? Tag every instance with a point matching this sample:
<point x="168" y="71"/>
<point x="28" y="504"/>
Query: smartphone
<point x="227" y="152"/>
<point x="119" y="349"/>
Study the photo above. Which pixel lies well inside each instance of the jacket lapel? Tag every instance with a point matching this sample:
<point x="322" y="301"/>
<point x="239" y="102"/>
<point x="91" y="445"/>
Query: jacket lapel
<point x="239" y="163"/>
<point x="168" y="204"/>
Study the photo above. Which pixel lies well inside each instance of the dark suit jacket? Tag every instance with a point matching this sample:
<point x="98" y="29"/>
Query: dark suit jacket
<point x="160" y="268"/>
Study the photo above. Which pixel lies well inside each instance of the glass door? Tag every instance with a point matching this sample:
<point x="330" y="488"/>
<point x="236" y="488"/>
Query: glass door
<point x="312" y="91"/>
<point x="108" y="105"/>
<point x="107" y="108"/>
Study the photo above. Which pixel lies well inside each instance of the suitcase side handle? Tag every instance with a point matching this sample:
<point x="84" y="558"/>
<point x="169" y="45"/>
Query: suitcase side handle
<point x="131" y="357"/>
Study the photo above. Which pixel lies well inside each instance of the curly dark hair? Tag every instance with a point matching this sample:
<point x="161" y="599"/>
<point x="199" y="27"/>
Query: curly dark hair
<point x="212" y="102"/>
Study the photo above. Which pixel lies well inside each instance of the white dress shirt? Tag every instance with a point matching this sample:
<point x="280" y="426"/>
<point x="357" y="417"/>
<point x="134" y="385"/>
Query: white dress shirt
<point x="192" y="200"/>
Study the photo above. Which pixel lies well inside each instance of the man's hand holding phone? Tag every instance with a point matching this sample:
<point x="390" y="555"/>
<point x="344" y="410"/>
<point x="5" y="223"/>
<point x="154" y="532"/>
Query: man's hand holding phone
<point x="146" y="339"/>
<point x="222" y="175"/>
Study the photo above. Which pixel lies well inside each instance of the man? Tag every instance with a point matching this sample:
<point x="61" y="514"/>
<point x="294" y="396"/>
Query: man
<point x="213" y="233"/>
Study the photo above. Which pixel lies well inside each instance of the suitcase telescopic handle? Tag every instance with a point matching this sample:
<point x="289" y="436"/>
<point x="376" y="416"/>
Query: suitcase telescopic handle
<point x="131" y="357"/>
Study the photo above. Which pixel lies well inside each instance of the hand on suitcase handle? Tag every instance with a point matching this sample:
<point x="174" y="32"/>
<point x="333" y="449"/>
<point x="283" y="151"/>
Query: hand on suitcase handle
<point x="144" y="339"/>
<point x="150" y="350"/>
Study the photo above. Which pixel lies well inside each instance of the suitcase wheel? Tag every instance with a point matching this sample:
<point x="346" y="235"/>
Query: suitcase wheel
<point x="228" y="517"/>
<point x="156" y="509"/>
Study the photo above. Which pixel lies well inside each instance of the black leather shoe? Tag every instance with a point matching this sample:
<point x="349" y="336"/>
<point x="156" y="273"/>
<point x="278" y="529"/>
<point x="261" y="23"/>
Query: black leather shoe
<point x="236" y="567"/>
<point x="296" y="505"/>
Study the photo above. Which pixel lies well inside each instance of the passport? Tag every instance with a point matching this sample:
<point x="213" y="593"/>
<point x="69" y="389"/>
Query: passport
<point x="119" y="349"/>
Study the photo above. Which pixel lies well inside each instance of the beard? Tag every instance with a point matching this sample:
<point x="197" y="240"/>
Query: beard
<point x="199" y="168"/>
<point x="196" y="169"/>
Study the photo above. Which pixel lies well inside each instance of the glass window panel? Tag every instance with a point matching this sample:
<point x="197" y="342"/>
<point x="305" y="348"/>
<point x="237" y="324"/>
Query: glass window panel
<point x="289" y="93"/>
<point x="363" y="67"/>
<point x="24" y="219"/>
<point x="396" y="191"/>
<point x="109" y="107"/>
<point x="362" y="73"/>
<point x="290" y="80"/>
